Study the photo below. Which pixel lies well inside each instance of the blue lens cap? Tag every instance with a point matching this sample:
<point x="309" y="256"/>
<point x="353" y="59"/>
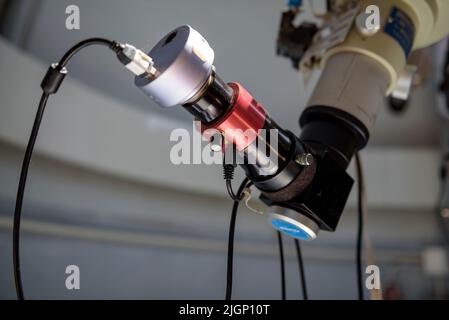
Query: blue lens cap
<point x="290" y="229"/>
<point x="293" y="223"/>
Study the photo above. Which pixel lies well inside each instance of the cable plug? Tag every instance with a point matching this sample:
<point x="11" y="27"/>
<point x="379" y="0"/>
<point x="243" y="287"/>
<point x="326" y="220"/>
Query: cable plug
<point x="228" y="175"/>
<point x="228" y="171"/>
<point x="53" y="78"/>
<point x="136" y="61"/>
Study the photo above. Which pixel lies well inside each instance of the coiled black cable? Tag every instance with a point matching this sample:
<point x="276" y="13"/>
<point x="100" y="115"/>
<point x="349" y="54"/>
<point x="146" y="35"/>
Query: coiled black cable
<point x="50" y="85"/>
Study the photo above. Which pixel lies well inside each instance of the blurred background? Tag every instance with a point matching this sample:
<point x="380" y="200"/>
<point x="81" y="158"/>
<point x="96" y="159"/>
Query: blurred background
<point x="103" y="195"/>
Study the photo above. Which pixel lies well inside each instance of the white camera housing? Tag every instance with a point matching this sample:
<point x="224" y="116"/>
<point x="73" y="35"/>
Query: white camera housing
<point x="184" y="61"/>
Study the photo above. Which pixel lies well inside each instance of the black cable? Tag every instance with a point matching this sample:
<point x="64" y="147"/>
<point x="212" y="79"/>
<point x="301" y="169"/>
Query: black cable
<point x="228" y="175"/>
<point x="229" y="272"/>
<point x="360" y="183"/>
<point x="20" y="193"/>
<point x="50" y="84"/>
<point x="115" y="46"/>
<point x="301" y="270"/>
<point x="282" y="263"/>
<point x="231" y="193"/>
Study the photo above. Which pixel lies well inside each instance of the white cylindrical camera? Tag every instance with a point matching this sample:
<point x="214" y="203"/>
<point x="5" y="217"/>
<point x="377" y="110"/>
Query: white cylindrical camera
<point x="184" y="61"/>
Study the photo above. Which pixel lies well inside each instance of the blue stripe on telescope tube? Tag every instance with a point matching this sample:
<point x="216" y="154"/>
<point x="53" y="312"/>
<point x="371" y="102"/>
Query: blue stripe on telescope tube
<point x="290" y="229"/>
<point x="294" y="3"/>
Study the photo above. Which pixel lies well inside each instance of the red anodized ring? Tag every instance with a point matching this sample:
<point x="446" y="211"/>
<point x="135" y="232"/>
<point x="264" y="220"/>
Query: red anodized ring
<point x="241" y="124"/>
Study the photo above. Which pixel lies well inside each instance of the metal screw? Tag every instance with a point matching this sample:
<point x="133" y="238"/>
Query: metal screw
<point x="305" y="159"/>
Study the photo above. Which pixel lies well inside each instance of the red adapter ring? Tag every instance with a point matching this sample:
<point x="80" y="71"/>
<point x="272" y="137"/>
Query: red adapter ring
<point x="242" y="122"/>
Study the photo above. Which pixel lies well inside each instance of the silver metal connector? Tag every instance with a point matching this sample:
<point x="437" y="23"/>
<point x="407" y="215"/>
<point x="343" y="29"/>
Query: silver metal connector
<point x="305" y="159"/>
<point x="138" y="62"/>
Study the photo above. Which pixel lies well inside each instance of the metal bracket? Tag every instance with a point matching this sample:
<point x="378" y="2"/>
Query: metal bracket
<point x="330" y="35"/>
<point x="404" y="83"/>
